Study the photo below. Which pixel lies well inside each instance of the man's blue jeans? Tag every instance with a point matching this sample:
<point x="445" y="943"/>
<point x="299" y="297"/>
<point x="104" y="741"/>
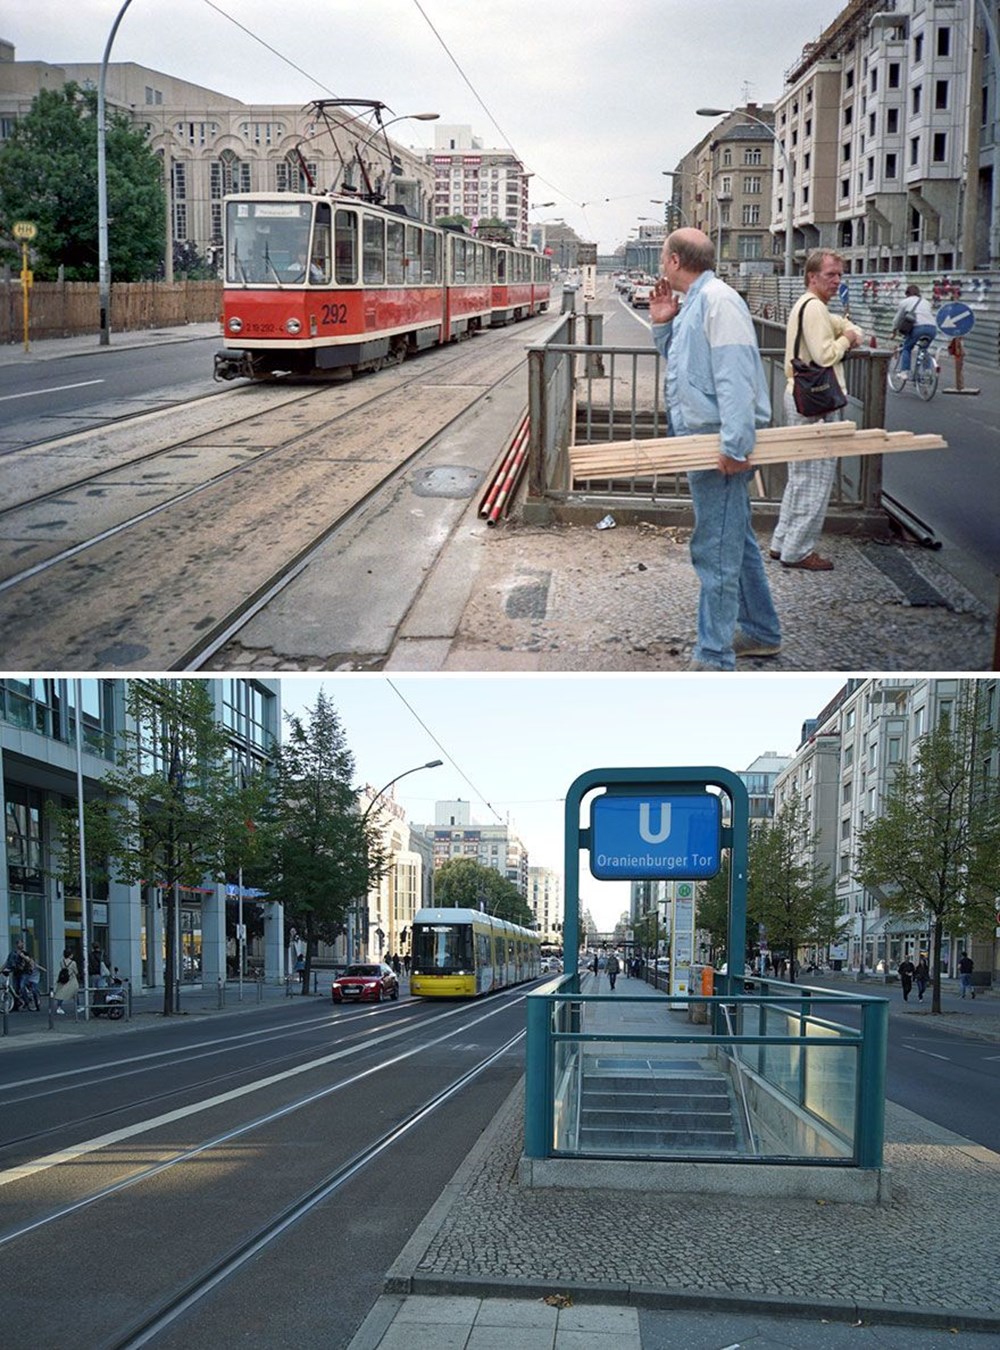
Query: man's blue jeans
<point x="726" y="558"/>
<point x="922" y="330"/>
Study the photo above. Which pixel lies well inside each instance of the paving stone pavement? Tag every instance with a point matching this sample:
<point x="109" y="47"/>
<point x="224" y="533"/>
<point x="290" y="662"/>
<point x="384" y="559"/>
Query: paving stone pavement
<point x="569" y="597"/>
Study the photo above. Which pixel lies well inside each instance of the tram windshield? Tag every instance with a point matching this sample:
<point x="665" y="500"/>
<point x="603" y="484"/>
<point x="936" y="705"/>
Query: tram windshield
<point x="267" y="243"/>
<point x="442" y="948"/>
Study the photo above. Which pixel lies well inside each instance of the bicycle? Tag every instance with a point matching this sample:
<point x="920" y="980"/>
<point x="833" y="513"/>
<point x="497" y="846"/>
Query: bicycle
<point x="924" y="369"/>
<point x="10" y="999"/>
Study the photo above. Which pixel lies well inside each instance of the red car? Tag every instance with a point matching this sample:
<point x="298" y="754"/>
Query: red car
<point x="371" y="982"/>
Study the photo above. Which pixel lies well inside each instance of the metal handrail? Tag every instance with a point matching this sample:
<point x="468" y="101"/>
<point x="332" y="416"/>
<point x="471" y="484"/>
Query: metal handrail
<point x="726" y="1009"/>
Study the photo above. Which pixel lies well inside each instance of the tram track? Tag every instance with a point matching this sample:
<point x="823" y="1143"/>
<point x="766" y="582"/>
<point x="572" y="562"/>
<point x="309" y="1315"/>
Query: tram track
<point x="155" y="560"/>
<point x="159" y="1217"/>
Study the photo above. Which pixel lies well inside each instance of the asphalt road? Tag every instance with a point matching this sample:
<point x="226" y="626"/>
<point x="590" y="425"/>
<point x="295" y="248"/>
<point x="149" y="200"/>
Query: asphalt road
<point x="185" y="1139"/>
<point x="40" y="400"/>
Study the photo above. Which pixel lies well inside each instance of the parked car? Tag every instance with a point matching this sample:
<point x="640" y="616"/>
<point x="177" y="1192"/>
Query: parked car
<point x="369" y="982"/>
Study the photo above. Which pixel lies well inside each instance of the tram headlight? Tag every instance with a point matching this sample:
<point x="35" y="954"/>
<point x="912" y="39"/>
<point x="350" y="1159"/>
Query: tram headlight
<point x="293" y="325"/>
<point x="235" y="324"/>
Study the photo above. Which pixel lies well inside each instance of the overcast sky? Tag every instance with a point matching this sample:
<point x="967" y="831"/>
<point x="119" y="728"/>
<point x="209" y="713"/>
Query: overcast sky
<point x="514" y="744"/>
<point x="595" y="98"/>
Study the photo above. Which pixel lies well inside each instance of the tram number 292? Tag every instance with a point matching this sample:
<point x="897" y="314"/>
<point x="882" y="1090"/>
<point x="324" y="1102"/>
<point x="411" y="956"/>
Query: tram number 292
<point x="334" y="314"/>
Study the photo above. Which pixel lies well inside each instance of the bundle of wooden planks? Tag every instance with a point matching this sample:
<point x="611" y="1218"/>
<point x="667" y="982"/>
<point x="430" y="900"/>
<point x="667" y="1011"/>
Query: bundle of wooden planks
<point x="775" y="445"/>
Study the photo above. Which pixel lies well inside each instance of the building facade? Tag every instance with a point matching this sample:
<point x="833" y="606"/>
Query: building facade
<point x="42" y="767"/>
<point x="405" y="886"/>
<point x="546" y="902"/>
<point x="842" y="772"/>
<point x="478" y="183"/>
<point x="454" y="834"/>
<point x="212" y="145"/>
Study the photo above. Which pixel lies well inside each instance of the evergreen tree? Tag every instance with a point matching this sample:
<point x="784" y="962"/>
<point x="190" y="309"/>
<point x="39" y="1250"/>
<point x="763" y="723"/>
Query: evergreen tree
<point x="48" y="175"/>
<point x="320" y="853"/>
<point x="934" y="849"/>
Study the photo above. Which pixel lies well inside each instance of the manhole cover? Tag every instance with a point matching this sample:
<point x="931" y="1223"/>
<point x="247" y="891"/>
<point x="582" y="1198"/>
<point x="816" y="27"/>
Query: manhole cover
<point x="446" y="480"/>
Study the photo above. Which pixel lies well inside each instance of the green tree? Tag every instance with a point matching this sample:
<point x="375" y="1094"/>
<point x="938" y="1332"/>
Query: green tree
<point x="934" y="850"/>
<point x="463" y="883"/>
<point x="495" y="229"/>
<point x="461" y="222"/>
<point x="786" y="891"/>
<point x="320" y="853"/>
<point x="171" y="806"/>
<point x="48" y="174"/>
<point x="713" y="909"/>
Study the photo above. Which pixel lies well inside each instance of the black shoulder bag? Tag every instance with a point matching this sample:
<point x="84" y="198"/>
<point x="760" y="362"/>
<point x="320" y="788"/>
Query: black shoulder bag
<point x="816" y="389"/>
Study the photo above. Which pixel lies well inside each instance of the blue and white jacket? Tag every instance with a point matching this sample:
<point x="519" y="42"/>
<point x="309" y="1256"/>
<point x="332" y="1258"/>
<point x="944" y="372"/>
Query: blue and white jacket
<point x="714" y="378"/>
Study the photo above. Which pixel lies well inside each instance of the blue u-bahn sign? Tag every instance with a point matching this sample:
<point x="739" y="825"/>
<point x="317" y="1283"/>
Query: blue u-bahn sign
<point x="651" y="836"/>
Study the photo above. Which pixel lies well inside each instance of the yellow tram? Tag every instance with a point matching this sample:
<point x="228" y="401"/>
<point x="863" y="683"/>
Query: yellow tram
<point x="462" y="953"/>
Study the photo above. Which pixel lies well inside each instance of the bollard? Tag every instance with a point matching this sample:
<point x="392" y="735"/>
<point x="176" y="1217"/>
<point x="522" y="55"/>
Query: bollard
<point x="52" y="1009"/>
<point x="260" y="989"/>
<point x="128" y="1000"/>
<point x="5" y="1029"/>
<point x="222" y="994"/>
<point x="956" y="349"/>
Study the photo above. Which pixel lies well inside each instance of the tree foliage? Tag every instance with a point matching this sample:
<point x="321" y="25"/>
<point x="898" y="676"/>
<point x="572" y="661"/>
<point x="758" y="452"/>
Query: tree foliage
<point x="786" y="892"/>
<point x="48" y="175"/>
<point x="934" y="850"/>
<point x="320" y="853"/>
<point x="462" y="883"/>
<point x="171" y="809"/>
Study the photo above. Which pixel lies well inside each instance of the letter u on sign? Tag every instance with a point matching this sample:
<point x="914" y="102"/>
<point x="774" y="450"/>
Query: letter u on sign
<point x="646" y="830"/>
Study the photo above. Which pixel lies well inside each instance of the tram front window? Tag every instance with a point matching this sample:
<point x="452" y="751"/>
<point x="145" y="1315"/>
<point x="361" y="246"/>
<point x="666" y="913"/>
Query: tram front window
<point x="442" y="949"/>
<point x="267" y="243"/>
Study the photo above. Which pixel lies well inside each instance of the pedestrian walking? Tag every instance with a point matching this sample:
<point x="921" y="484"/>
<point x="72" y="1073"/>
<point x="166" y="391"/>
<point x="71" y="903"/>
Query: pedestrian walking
<point x="965" y="969"/>
<point x="921" y="976"/>
<point x="715" y="382"/>
<point x="67" y="982"/>
<point x="813" y="334"/>
<point x="613" y="967"/>
<point x="905" y="971"/>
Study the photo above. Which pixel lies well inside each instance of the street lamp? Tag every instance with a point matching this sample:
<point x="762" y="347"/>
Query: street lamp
<point x="103" y="266"/>
<point x="380" y="130"/>
<point x="431" y="764"/>
<point x="790" y="206"/>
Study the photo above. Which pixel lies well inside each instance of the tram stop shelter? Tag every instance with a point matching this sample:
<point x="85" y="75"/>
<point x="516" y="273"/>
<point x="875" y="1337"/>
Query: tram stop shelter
<point x="781" y="1089"/>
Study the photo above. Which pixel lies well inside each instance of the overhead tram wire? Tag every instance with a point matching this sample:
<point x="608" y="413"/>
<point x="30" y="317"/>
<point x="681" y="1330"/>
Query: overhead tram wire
<point x="267" y="46"/>
<point x="450" y="758"/>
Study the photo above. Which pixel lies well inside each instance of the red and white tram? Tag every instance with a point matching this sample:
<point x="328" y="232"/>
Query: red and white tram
<point x="317" y="285"/>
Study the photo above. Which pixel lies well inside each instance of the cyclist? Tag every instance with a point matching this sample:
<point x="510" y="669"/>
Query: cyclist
<point x="15" y="966"/>
<point x="912" y="321"/>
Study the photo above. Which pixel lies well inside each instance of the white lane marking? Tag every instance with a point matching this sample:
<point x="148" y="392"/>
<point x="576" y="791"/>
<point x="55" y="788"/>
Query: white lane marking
<point x="35" y="393"/>
<point x="77" y="1151"/>
<point x="917" y="1051"/>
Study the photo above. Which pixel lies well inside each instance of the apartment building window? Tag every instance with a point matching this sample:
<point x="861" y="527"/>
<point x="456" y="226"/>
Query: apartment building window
<point x="845" y="795"/>
<point x="751" y="215"/>
<point x="919" y="721"/>
<point x="893" y="80"/>
<point x="749" y="246"/>
<point x="807" y="161"/>
<point x="873" y="79"/>
<point x="727" y="158"/>
<point x="871" y="124"/>
<point x="916" y="98"/>
<point x="849" y="115"/>
<point x="845" y="187"/>
<point x="849" y="80"/>
<point x="890" y="166"/>
<point x="808" y="129"/>
<point x="915" y="150"/>
<point x="941" y="95"/>
<point x="848" y="756"/>
<point x="892" y="121"/>
<point x="751" y="184"/>
<point x="845" y="151"/>
<point x="918" y="48"/>
<point x="944" y="41"/>
<point x="939" y="150"/>
<point x="871" y="169"/>
<point x="752" y="156"/>
<point x="894" y="749"/>
<point x="180" y="221"/>
<point x="845" y="828"/>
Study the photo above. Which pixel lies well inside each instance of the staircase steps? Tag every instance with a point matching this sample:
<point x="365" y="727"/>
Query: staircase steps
<point x="690" y="1113"/>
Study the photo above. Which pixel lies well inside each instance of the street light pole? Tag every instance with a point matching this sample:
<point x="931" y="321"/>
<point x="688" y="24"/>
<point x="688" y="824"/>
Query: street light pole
<point x="431" y="764"/>
<point x="103" y="266"/>
<point x="790" y="206"/>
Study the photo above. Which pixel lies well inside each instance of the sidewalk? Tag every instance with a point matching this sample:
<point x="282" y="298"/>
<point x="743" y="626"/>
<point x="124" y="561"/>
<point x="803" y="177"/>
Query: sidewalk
<point x="87" y="344"/>
<point x="577" y="1265"/>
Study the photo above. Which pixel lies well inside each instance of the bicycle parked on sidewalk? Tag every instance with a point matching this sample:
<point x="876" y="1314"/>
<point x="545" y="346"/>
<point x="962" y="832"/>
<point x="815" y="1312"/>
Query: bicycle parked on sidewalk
<point x="10" y="999"/>
<point x="924" y="369"/>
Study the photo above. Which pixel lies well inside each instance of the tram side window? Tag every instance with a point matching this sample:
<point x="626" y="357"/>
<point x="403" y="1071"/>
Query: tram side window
<point x="346" y="246"/>
<point x="373" y="247"/>
<point x="501" y="266"/>
<point x="394" y="252"/>
<point x="319" y="262"/>
<point x="457" y="261"/>
<point x="411" y="262"/>
<point x="431" y="257"/>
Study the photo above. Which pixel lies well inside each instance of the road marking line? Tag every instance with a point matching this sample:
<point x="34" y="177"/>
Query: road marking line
<point x="917" y="1051"/>
<point x="35" y="393"/>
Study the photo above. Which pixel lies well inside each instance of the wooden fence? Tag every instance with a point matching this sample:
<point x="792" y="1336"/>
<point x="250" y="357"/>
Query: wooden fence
<point x="70" y="308"/>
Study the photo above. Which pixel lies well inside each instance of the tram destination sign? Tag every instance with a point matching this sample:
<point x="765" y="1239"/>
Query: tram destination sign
<point x="636" y="837"/>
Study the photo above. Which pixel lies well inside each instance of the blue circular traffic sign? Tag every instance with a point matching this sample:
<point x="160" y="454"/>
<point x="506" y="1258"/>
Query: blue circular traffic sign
<point x="955" y="319"/>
